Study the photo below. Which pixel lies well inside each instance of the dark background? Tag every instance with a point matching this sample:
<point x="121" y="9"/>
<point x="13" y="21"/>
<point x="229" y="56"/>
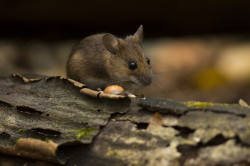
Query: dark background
<point x="66" y="19"/>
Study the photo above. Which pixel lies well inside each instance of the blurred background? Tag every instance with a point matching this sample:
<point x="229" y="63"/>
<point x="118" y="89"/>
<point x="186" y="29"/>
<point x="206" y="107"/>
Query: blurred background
<point x="200" y="50"/>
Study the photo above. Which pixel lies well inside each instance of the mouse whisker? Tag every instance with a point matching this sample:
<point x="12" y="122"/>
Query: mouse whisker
<point x="132" y="87"/>
<point x="118" y="81"/>
<point x="174" y="71"/>
<point x="159" y="78"/>
<point x="140" y="89"/>
<point x="158" y="84"/>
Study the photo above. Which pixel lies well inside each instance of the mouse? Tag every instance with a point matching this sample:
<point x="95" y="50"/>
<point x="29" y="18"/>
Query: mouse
<point x="102" y="60"/>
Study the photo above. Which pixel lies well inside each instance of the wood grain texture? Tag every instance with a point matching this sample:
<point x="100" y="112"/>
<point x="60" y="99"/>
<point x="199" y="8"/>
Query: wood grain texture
<point x="76" y="128"/>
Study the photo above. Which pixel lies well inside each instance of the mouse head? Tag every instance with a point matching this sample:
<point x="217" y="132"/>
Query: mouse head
<point x="128" y="61"/>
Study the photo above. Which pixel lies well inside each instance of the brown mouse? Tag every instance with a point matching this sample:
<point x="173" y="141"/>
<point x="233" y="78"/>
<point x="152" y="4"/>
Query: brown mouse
<point x="103" y="59"/>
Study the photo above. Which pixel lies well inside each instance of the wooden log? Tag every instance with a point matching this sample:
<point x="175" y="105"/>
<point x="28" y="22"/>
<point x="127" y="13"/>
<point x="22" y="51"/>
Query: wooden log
<point x="49" y="119"/>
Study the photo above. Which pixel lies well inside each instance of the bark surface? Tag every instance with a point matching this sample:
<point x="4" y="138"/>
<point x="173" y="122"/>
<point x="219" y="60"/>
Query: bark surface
<point x="53" y="121"/>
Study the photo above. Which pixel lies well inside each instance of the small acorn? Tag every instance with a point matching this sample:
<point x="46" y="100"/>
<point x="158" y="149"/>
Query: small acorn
<point x="114" y="89"/>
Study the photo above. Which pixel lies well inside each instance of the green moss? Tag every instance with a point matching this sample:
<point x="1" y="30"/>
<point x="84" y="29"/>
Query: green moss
<point x="225" y="105"/>
<point x="21" y="131"/>
<point x="47" y="140"/>
<point x="83" y="132"/>
<point x="40" y="139"/>
<point x="198" y="104"/>
<point x="15" y="142"/>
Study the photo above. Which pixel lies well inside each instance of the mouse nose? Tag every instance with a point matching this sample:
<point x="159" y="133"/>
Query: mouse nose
<point x="146" y="80"/>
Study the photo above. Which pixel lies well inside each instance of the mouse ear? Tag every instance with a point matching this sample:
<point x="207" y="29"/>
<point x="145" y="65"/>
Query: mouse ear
<point x="139" y="34"/>
<point x="111" y="43"/>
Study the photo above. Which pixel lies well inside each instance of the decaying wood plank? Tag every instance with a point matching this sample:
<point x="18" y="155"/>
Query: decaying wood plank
<point x="192" y="133"/>
<point x="79" y="128"/>
<point x="50" y="109"/>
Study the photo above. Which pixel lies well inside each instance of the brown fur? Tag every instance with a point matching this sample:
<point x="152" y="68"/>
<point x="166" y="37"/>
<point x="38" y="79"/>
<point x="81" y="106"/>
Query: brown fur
<point x="103" y="59"/>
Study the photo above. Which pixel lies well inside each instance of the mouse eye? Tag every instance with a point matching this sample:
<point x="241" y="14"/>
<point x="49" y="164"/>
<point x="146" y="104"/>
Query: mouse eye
<point x="132" y="65"/>
<point x="148" y="60"/>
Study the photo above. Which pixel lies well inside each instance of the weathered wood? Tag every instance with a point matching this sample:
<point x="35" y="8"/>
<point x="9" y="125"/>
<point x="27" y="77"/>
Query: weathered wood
<point x="74" y="128"/>
<point x="50" y="109"/>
